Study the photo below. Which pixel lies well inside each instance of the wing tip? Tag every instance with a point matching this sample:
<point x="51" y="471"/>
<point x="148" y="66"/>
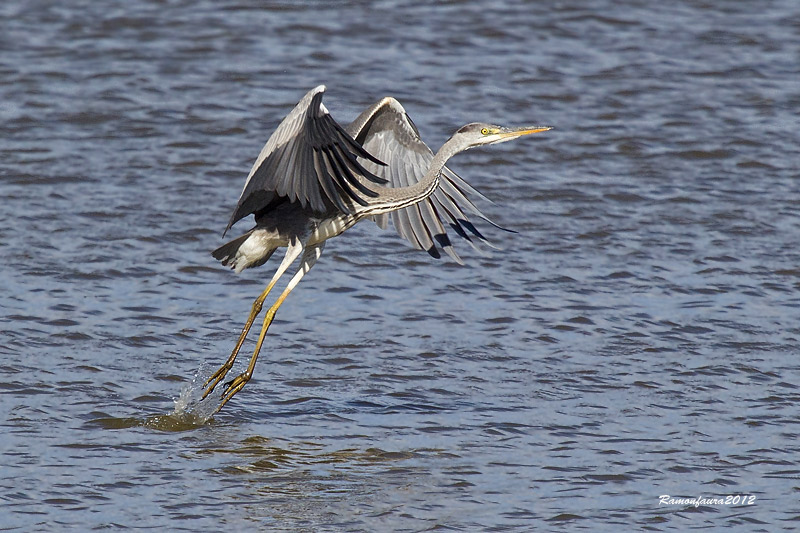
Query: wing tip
<point x="392" y="102"/>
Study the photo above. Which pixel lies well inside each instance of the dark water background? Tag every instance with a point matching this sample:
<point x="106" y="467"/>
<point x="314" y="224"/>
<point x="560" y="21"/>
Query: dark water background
<point x="638" y="337"/>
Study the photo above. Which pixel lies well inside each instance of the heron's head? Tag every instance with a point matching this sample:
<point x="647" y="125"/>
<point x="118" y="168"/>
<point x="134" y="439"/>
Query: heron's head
<point x="478" y="134"/>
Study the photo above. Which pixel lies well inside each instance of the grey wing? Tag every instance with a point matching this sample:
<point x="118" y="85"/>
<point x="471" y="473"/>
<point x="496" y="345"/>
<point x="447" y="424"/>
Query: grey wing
<point x="387" y="132"/>
<point x="309" y="159"/>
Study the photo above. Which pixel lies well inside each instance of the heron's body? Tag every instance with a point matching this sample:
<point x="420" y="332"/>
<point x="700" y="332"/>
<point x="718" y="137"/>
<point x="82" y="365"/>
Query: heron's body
<point x="314" y="180"/>
<point x="277" y="229"/>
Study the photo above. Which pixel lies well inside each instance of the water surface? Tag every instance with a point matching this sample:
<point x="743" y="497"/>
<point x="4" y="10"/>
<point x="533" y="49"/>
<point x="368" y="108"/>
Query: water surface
<point x="637" y="337"/>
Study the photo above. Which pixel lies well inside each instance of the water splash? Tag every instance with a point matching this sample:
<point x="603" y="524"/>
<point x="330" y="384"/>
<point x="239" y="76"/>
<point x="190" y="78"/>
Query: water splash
<point x="190" y="407"/>
<point x="191" y="411"/>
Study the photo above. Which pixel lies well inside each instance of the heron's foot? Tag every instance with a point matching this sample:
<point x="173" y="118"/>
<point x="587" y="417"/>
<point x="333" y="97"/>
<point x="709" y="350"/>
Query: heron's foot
<point x="215" y="378"/>
<point x="234" y="386"/>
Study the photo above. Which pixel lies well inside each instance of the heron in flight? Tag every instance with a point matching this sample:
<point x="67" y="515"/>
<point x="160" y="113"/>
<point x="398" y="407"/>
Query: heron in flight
<point x="315" y="179"/>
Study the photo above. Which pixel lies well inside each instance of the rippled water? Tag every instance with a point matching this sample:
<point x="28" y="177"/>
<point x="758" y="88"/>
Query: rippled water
<point x="638" y="337"/>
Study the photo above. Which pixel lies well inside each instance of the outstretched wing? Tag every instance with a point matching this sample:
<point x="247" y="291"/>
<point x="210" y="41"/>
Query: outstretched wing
<point x="309" y="159"/>
<point x="387" y="132"/>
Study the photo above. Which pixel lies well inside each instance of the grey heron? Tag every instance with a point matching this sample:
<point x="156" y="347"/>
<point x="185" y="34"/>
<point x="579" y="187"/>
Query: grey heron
<point x="315" y="179"/>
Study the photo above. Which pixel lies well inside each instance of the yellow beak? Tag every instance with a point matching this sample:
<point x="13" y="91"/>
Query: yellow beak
<point x="519" y="132"/>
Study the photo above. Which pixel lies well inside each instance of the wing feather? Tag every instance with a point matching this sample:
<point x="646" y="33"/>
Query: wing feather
<point x="300" y="162"/>
<point x="387" y="132"/>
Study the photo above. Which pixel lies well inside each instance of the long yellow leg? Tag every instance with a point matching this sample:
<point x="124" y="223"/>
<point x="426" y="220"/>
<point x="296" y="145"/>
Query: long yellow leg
<point x="310" y="257"/>
<point x="219" y="375"/>
<point x="295" y="247"/>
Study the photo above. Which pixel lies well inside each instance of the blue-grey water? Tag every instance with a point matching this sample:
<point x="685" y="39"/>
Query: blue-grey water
<point x="639" y="336"/>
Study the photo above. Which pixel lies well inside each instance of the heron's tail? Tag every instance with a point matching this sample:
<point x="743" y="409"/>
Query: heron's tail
<point x="237" y="255"/>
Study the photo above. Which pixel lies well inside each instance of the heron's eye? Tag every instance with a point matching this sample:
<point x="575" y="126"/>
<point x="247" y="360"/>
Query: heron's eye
<point x="485" y="131"/>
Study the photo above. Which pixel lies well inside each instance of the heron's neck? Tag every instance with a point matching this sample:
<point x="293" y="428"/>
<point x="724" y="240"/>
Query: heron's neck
<point x="393" y="198"/>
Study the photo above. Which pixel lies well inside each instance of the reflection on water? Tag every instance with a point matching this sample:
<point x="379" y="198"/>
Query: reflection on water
<point x="637" y="337"/>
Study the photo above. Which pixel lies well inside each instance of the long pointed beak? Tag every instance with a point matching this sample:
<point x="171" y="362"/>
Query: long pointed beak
<point x="513" y="133"/>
